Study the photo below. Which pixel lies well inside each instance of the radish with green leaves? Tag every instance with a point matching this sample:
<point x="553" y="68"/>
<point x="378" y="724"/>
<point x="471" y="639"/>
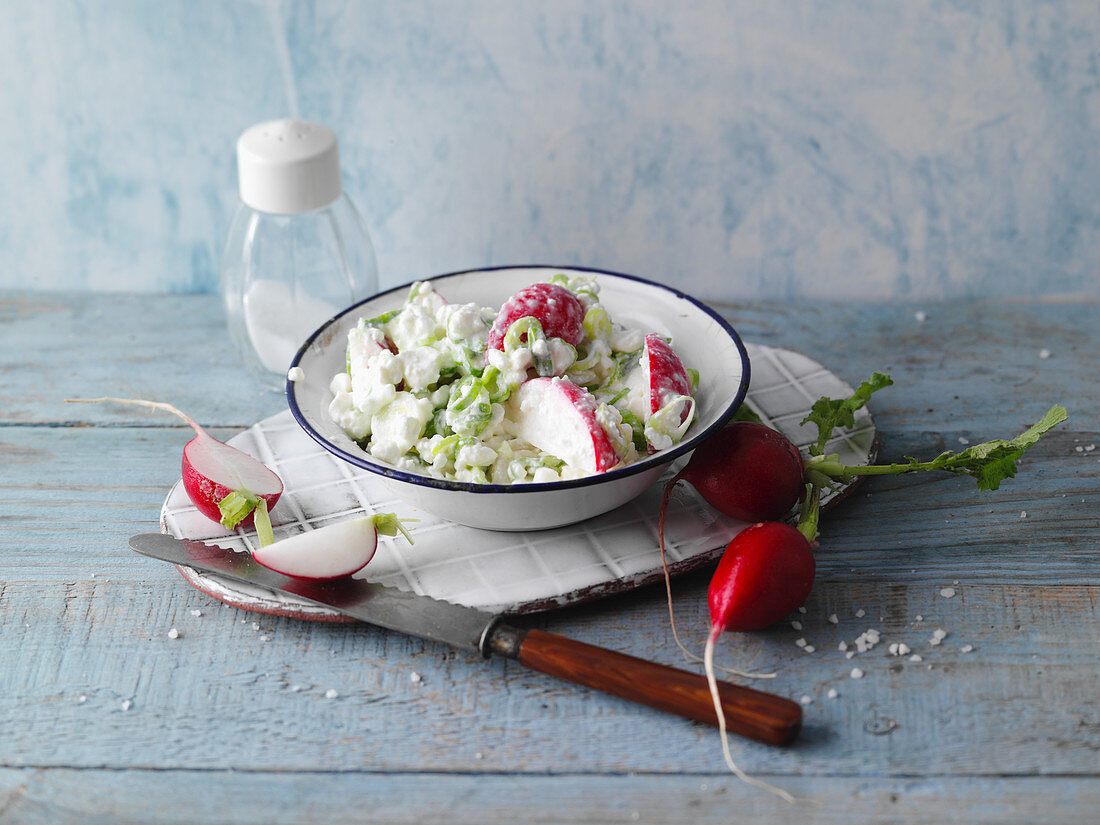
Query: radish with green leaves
<point x="331" y="552"/>
<point x="225" y="484"/>
<point x="767" y="570"/>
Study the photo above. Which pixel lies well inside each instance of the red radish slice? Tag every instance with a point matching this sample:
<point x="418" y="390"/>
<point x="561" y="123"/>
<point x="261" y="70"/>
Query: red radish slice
<point x="212" y="470"/>
<point x="665" y="376"/>
<point x="558" y="310"/>
<point x="330" y="552"/>
<point x="559" y="418"/>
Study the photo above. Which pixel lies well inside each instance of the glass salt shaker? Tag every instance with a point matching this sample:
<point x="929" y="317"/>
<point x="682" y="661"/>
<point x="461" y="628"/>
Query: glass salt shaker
<point x="297" y="251"/>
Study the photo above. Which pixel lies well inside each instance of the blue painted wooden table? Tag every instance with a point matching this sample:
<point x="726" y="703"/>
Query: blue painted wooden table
<point x="246" y="718"/>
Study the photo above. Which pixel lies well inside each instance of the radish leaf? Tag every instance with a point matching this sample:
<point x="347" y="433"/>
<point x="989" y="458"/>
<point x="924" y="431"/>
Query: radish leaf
<point x="828" y="414"/>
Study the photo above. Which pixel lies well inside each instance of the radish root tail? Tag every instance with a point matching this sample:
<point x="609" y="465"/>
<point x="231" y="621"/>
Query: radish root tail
<point x="708" y="662"/>
<point x="141" y="402"/>
<point x="689" y="655"/>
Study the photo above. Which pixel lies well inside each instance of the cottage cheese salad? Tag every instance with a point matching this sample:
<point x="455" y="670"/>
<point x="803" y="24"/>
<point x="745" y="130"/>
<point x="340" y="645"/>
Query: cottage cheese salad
<point x="546" y="388"/>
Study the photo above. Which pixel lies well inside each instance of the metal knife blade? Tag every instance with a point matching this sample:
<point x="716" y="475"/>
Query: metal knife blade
<point x="423" y="616"/>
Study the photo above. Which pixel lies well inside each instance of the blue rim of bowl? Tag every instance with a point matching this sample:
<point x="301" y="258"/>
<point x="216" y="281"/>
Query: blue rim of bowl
<point x="648" y="463"/>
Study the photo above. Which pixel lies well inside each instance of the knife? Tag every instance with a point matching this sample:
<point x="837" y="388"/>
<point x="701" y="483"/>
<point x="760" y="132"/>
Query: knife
<point x="751" y="713"/>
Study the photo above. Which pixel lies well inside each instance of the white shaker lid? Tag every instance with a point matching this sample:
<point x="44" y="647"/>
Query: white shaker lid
<point x="288" y="166"/>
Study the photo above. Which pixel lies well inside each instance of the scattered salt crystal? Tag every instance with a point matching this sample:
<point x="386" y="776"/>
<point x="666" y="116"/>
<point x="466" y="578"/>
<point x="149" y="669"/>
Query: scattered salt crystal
<point x="921" y="316"/>
<point x="478" y="755"/>
<point x="806" y="700"/>
<point x="93" y="575"/>
<point x="196" y="613"/>
<point x="1023" y="514"/>
<point x="331" y="694"/>
<point x="802" y="610"/>
<point x="857" y="673"/>
<point x="964" y="441"/>
<point x="903" y="649"/>
<point x="1044" y="354"/>
<point x="893" y="649"/>
<point x="919" y="618"/>
<point x="1088" y="449"/>
<point x="127" y="704"/>
<point x="800" y="642"/>
<point x="966" y="648"/>
<point x="295" y="688"/>
<point x="255" y="625"/>
<point x="842" y="646"/>
<point x="796" y="625"/>
<point x="849" y="654"/>
<point x="295" y="374"/>
<point x="832" y="694"/>
<point x="415" y="677"/>
<point x="947" y="592"/>
<point x="916" y="657"/>
<point x="1078" y="449"/>
<point x="861" y="613"/>
<point x="833" y="619"/>
<point x="81" y="699"/>
<point x="809" y="648"/>
<point x="173" y="634"/>
<point x="265" y="638"/>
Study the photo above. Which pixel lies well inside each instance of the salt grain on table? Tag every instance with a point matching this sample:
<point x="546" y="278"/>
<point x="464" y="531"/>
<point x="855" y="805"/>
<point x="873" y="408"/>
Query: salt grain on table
<point x="832" y="694"/>
<point x="857" y="673"/>
<point x="947" y="592"/>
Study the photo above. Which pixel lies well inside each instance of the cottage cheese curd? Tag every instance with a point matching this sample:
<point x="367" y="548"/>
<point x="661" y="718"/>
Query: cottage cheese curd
<point x="428" y="387"/>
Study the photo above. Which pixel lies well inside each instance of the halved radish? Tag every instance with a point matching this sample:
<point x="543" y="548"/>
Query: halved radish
<point x="330" y="552"/>
<point x="560" y="418"/>
<point x="225" y="484"/>
<point x="558" y="311"/>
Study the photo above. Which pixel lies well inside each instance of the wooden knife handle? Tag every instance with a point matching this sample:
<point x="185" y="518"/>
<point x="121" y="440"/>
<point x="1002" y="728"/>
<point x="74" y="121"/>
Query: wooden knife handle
<point x="752" y="713"/>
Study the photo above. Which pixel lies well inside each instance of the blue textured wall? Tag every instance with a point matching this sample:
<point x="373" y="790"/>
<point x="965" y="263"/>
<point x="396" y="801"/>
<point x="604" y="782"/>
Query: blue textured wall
<point x="737" y="149"/>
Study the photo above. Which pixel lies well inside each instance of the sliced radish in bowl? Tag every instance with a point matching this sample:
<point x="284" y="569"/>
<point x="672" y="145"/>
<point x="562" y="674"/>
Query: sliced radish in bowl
<point x="562" y="419"/>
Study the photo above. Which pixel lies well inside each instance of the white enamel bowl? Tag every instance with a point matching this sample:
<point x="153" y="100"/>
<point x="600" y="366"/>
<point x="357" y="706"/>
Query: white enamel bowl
<point x="701" y="338"/>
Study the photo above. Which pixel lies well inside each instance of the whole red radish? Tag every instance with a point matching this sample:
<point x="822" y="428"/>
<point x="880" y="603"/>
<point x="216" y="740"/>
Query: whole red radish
<point x="766" y="572"/>
<point x="216" y="474"/>
<point x="747" y="471"/>
<point x="558" y="311"/>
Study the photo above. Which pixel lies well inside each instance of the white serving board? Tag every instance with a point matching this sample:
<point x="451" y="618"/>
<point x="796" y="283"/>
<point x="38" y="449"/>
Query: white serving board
<point x="508" y="572"/>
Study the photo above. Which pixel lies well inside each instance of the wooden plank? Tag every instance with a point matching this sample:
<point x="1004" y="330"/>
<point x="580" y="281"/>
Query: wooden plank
<point x="67" y="797"/>
<point x="56" y="483"/>
<point x="1016" y="704"/>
